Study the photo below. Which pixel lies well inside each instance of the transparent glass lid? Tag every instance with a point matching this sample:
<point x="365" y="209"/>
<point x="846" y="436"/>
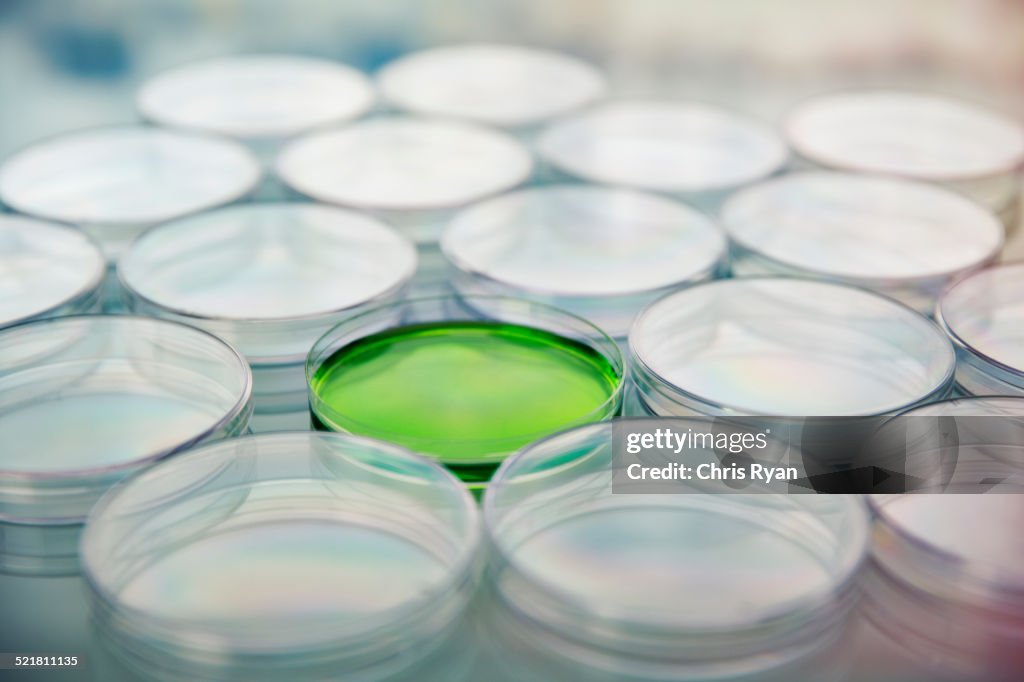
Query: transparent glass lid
<point x="260" y="264"/>
<point x="130" y="174"/>
<point x="501" y="85"/>
<point x="862" y="227"/>
<point x="44" y="267"/>
<point x="404" y="163"/>
<point x="789" y="347"/>
<point x="985" y="313"/>
<point x="664" y="146"/>
<point x="289" y="543"/>
<point x="256" y="96"/>
<point x="905" y="133"/>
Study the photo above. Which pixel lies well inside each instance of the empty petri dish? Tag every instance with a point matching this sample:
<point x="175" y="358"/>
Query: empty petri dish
<point x="601" y="253"/>
<point x="114" y="182"/>
<point x="905" y="239"/>
<point x="507" y="86"/>
<point x="46" y="270"/>
<point x="466" y="380"/>
<point x="786" y="347"/>
<point x="947" y="579"/>
<point x="913" y="135"/>
<point x="85" y="400"/>
<point x="984" y="316"/>
<point x="306" y="555"/>
<point x="667" y="586"/>
<point x="694" y="150"/>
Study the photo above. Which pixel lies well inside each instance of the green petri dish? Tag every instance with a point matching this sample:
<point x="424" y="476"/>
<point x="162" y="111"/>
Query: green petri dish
<point x="465" y="380"/>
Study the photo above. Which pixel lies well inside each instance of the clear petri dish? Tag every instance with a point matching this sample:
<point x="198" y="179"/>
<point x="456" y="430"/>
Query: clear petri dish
<point x="914" y="135"/>
<point x="256" y="97"/>
<point x="46" y="270"/>
<point x="506" y="86"/>
<point x="298" y="555"/>
<point x="412" y="172"/>
<point x="904" y="239"/>
<point x="86" y="400"/>
<point x="601" y="253"/>
<point x="114" y="182"/>
<point x="670" y="586"/>
<point x="947" y="579"/>
<point x="984" y="316"/>
<point x="785" y="347"/>
<point x="696" y="151"/>
<point x="466" y="380"/>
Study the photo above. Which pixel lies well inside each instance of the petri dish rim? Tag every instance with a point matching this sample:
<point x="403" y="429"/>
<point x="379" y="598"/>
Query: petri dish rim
<point x="243" y="190"/>
<point x="788" y="124"/>
<point x="238" y="408"/>
<point x="650" y="374"/>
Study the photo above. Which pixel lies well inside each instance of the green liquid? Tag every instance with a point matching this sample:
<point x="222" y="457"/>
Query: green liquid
<point x="468" y="393"/>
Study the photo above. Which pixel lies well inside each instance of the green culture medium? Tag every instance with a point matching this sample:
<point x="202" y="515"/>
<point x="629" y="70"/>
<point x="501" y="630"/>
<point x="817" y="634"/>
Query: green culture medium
<point x="466" y="392"/>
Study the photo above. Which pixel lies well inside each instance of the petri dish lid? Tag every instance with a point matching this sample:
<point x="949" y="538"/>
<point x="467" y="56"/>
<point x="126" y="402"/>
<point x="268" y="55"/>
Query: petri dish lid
<point x="256" y="96"/>
<point x="502" y="85"/>
<point x="789" y="347"/>
<point x="126" y="175"/>
<point x="911" y="134"/>
<point x="404" y="164"/>
<point x="585" y="245"/>
<point x="862" y="228"/>
<point x="663" y="146"/>
<point x="984" y="314"/>
<point x="85" y="400"/>
<point x="45" y="268"/>
<point x="330" y="548"/>
<point x="270" y="278"/>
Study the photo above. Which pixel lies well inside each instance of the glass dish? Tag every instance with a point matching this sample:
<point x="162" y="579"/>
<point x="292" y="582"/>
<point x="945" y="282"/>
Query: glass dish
<point x="904" y="239"/>
<point x="601" y="253"/>
<point x="786" y="347"/>
<point x="46" y="270"/>
<point x="282" y="556"/>
<point x="984" y="316"/>
<point x="667" y="586"/>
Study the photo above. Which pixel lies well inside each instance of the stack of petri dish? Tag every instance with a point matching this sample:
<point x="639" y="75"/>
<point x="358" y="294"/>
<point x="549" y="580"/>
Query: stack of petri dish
<point x="946" y="581"/>
<point x="269" y="278"/>
<point x="506" y="86"/>
<point x="46" y="270"/>
<point x="917" y="136"/>
<point x="696" y="152"/>
<point x="283" y="556"/>
<point x="690" y="586"/>
<point x="466" y="380"/>
<point x="115" y="182"/>
<point x="904" y="239"/>
<point x="984" y="316"/>
<point x="261" y="100"/>
<point x="414" y="173"/>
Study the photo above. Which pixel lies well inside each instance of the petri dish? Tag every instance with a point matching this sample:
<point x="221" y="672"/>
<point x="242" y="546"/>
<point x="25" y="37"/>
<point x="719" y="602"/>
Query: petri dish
<point x="667" y="586"/>
<point x="599" y="252"/>
<point x="306" y="555"/>
<point x="114" y="182"/>
<point x="913" y="135"/>
<point x="256" y="97"/>
<point x="689" y="149"/>
<point x="466" y="380"/>
<point x="46" y="270"/>
<point x="984" y="316"/>
<point x="86" y="400"/>
<point x="904" y="239"/>
<point x="412" y="172"/>
<point x="505" y="86"/>
<point x="786" y="347"/>
<point x="947" y="579"/>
